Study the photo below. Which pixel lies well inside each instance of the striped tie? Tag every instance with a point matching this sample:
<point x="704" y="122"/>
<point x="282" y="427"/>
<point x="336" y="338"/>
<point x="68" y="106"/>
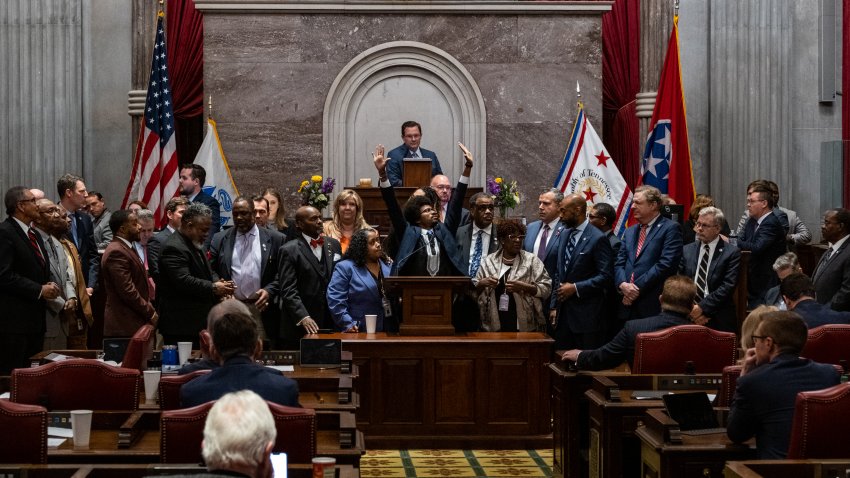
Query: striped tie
<point x="641" y="240"/>
<point x="34" y="244"/>
<point x="568" y="252"/>
<point x="702" y="274"/>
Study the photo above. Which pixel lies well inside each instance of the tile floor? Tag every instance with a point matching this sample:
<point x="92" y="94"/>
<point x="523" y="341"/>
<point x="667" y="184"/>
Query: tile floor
<point x="456" y="463"/>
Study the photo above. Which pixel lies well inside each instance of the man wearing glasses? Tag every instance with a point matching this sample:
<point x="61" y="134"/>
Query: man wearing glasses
<point x="772" y="375"/>
<point x="764" y="237"/>
<point x="713" y="265"/>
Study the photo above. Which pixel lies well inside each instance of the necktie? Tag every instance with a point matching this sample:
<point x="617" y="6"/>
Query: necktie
<point x="151" y="283"/>
<point x="414" y="154"/>
<point x="702" y="274"/>
<point x="74" y="231"/>
<point x="641" y="239"/>
<point x="568" y="254"/>
<point x="476" y="255"/>
<point x="823" y="260"/>
<point x="248" y="278"/>
<point x="34" y="244"/>
<point x="541" y="251"/>
<point x="433" y="265"/>
<point x="317" y="242"/>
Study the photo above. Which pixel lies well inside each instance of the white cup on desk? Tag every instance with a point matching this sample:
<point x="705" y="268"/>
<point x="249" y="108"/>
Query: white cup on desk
<point x="81" y="428"/>
<point x="151" y="384"/>
<point x="184" y="351"/>
<point x="371" y="323"/>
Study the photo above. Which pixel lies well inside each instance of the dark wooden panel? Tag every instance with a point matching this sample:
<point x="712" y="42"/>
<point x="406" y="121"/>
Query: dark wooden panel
<point x="402" y="402"/>
<point x="454" y="394"/>
<point x="504" y="377"/>
<point x="364" y="367"/>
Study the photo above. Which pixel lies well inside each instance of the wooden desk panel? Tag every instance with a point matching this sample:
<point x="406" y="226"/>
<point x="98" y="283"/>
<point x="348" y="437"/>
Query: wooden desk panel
<point x="474" y="390"/>
<point x="138" y="471"/>
<point x="787" y="469"/>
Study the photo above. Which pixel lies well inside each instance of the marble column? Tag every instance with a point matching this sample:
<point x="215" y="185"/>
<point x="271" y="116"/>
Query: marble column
<point x="144" y="24"/>
<point x="656" y="22"/>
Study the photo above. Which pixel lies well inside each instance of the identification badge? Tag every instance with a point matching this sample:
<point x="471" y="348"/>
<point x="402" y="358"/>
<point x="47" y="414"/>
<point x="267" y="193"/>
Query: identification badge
<point x="388" y="309"/>
<point x="79" y="324"/>
<point x="504" y="301"/>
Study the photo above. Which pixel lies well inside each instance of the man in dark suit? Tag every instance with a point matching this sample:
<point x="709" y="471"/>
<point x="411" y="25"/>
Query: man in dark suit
<point x="772" y="376"/>
<point x="832" y="274"/>
<point x="248" y="255"/>
<point x="543" y="237"/>
<point x="306" y="265"/>
<point x="72" y="196"/>
<point x="192" y="179"/>
<point x="713" y="265"/>
<point x="174" y="211"/>
<point x="24" y="282"/>
<point x="125" y="280"/>
<point x="603" y="216"/>
<point x="677" y="300"/>
<point x="411" y="134"/>
<point x="474" y="240"/>
<point x="235" y="345"/>
<point x="585" y="273"/>
<point x="651" y="252"/>
<point x="188" y="288"/>
<point x="764" y="237"/>
<point x="798" y="292"/>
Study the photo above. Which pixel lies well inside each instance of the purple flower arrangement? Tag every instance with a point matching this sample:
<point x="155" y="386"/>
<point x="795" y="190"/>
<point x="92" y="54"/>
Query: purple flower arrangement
<point x="316" y="191"/>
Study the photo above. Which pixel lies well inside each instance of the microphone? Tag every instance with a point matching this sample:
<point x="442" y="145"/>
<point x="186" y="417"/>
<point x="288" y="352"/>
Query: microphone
<point x="424" y="245"/>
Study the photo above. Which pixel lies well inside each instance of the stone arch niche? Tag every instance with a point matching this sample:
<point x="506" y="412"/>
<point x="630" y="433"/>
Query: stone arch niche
<point x="389" y="84"/>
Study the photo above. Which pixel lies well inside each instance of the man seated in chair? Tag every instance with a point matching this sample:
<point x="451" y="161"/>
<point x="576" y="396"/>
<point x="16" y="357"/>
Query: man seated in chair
<point x="772" y="375"/>
<point x="677" y="301"/>
<point x="235" y="345"/>
<point x="798" y="292"/>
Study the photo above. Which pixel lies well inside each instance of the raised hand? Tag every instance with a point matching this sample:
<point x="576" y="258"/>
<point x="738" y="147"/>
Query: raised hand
<point x="466" y="155"/>
<point x="379" y="159"/>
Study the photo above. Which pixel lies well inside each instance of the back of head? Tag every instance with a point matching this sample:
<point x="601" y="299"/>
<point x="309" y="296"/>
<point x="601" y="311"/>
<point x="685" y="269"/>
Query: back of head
<point x="233" y="329"/>
<point x="787" y="330"/>
<point x="751" y="323"/>
<point x="237" y="432"/>
<point x="797" y="285"/>
<point x="678" y="294"/>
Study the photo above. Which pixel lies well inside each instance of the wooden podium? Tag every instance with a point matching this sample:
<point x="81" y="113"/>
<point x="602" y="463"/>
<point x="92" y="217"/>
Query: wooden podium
<point x="427" y="303"/>
<point x="416" y="173"/>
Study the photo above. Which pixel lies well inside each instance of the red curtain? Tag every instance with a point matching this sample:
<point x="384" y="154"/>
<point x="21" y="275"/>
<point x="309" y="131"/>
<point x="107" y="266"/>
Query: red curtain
<point x="185" y="37"/>
<point x="845" y="98"/>
<point x="620" y="84"/>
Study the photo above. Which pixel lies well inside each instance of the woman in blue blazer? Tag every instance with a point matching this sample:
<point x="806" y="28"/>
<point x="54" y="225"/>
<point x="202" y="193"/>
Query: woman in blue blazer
<point x="356" y="288"/>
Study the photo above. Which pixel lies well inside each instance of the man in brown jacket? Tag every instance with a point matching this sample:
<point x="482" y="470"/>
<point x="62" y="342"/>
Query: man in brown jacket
<point x="125" y="280"/>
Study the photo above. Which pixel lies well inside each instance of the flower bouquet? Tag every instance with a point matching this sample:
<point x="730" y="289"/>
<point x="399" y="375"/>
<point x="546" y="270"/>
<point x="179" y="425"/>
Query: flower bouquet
<point x="314" y="192"/>
<point x="505" y="194"/>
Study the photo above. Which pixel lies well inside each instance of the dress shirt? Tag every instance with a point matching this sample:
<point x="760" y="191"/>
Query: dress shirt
<point x="432" y="247"/>
<point x="837" y="244"/>
<point x="140" y="251"/>
<point x="485" y="241"/>
<point x="712" y="246"/>
<point x="317" y="251"/>
<point x="414" y="153"/>
<point x="245" y="271"/>
<point x="551" y="231"/>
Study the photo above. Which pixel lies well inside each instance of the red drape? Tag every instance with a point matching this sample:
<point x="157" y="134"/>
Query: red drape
<point x="185" y="37"/>
<point x="620" y="84"/>
<point x="845" y="98"/>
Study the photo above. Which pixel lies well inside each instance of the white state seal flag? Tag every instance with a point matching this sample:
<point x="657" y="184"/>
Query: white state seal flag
<point x="588" y="170"/>
<point x="219" y="183"/>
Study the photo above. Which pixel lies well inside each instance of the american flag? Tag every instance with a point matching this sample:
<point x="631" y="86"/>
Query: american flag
<point x="154" y="178"/>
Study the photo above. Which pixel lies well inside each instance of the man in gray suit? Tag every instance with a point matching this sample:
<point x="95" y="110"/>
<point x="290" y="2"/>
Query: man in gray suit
<point x="832" y="274"/>
<point x="474" y="240"/>
<point x="100" y="218"/>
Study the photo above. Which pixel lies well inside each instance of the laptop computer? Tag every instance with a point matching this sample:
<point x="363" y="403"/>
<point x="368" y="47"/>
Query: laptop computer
<point x="693" y="412"/>
<point x="323" y="353"/>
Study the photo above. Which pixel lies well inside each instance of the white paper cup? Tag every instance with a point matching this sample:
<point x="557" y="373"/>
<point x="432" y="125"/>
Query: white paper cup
<point x="151" y="384"/>
<point x="371" y="323"/>
<point x="81" y="428"/>
<point x="184" y="351"/>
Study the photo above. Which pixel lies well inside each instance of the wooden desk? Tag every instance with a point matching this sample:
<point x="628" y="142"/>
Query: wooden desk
<point x="615" y="415"/>
<point x="139" y="471"/>
<point x="479" y="390"/>
<point x="787" y="469"/>
<point x="703" y="456"/>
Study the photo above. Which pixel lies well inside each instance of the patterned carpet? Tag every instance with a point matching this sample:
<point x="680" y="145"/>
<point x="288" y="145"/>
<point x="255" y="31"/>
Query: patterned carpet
<point x="456" y="463"/>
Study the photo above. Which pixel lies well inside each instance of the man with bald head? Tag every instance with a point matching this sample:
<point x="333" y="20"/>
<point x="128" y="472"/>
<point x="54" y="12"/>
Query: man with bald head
<point x="585" y="271"/>
<point x="306" y="266"/>
<point x="441" y="184"/>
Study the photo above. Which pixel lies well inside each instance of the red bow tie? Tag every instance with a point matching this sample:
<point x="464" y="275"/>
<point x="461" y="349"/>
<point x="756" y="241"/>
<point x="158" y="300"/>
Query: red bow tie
<point x="317" y="242"/>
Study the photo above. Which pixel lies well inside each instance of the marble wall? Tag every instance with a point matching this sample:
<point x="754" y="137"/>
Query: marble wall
<point x="270" y="74"/>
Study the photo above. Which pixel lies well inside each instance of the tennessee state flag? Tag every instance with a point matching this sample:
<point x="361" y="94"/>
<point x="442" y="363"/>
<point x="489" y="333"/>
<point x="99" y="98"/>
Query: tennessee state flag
<point x="667" y="157"/>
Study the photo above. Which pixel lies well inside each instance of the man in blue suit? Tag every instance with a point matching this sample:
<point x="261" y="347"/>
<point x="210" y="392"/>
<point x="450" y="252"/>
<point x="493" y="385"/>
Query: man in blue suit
<point x="772" y="376"/>
<point x="713" y="265"/>
<point x="764" y="237"/>
<point x="798" y="291"/>
<point x="585" y="272"/>
<point x="543" y="237"/>
<point x="235" y="346"/>
<point x="426" y="246"/>
<point x="192" y="179"/>
<point x="677" y="300"/>
<point x="73" y="197"/>
<point x="411" y="134"/>
<point x="650" y="253"/>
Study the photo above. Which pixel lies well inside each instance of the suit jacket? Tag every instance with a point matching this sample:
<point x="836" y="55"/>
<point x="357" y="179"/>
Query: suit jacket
<point x="622" y="347"/>
<point x="614" y="241"/>
<point x="591" y="269"/>
<point x="763" y="405"/>
<point x="185" y="290"/>
<point x="215" y="207"/>
<point x="86" y="246"/>
<point x="722" y="279"/>
<point x="240" y="373"/>
<point x="353" y="294"/>
<point x="102" y="231"/>
<point x="553" y="243"/>
<point x="411" y="235"/>
<point x="303" y="286"/>
<point x="395" y="165"/>
<point x="815" y="314"/>
<point x="221" y="256"/>
<point x="466" y="243"/>
<point x="21" y="278"/>
<point x="155" y="244"/>
<point x="658" y="260"/>
<point x="765" y="242"/>
<point x="125" y="282"/>
<point x="832" y="279"/>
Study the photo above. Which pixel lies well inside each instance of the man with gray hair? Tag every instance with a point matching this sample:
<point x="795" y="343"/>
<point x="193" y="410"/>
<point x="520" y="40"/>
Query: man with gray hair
<point x="783" y="266"/>
<point x="146" y="223"/>
<point x="542" y="238"/>
<point x="713" y="264"/>
<point x="188" y="288"/>
<point x="239" y="436"/>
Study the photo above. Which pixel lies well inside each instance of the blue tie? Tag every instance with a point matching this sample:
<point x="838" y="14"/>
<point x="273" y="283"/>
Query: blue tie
<point x="570" y="246"/>
<point x="476" y="256"/>
<point x="74" y="230"/>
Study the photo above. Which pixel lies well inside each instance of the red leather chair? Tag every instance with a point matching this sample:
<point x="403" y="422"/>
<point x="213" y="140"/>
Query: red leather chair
<point x="668" y="350"/>
<point x="169" y="389"/>
<point x="23" y="433"/>
<point x="140" y="348"/>
<point x="181" y="433"/>
<point x="821" y="420"/>
<point x="828" y="344"/>
<point x="77" y="384"/>
<point x="729" y="380"/>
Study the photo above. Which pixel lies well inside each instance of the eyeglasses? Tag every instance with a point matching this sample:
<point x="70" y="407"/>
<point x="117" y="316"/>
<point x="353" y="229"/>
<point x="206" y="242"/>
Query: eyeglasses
<point x="594" y="216"/>
<point x="702" y="225"/>
<point x="515" y="237"/>
<point x="760" y="337"/>
<point x="32" y="200"/>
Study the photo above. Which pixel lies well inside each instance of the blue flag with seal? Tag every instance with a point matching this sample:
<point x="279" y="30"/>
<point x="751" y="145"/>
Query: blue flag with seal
<point x="219" y="183"/>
